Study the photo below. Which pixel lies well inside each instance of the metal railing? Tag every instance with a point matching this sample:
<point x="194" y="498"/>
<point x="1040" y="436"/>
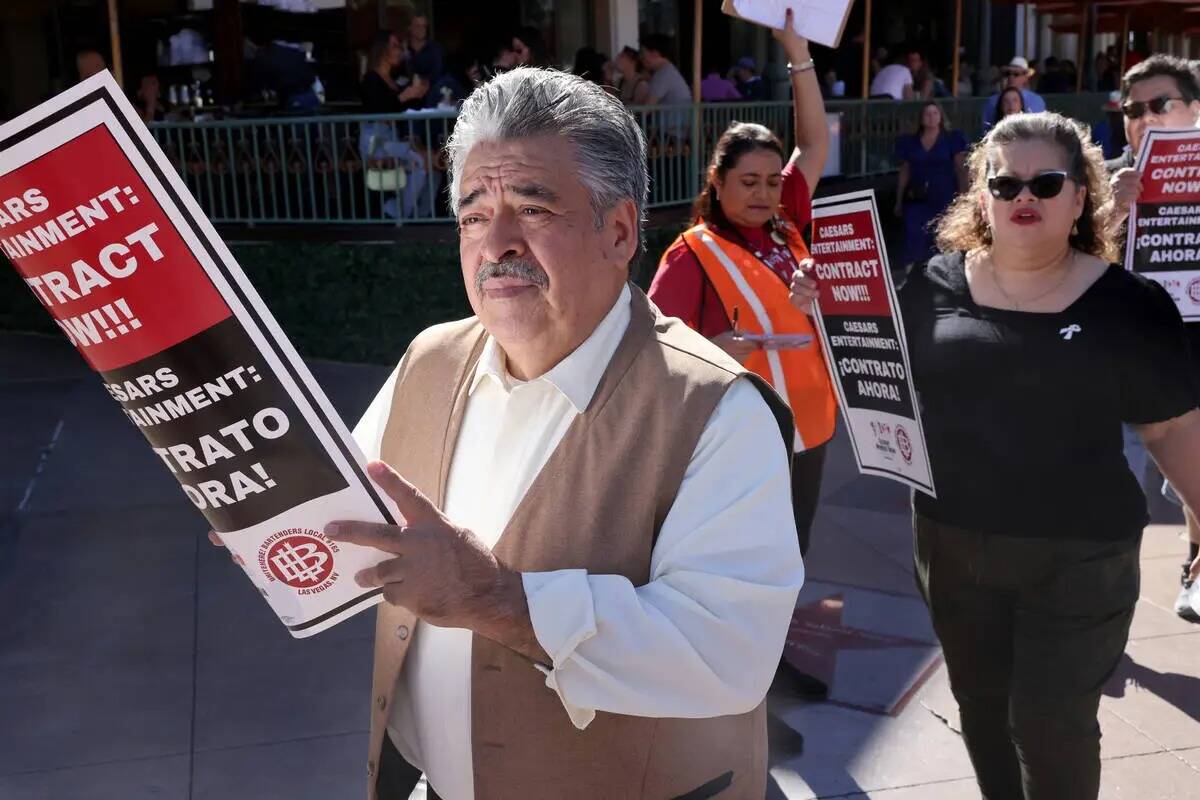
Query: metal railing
<point x="330" y="169"/>
<point x="869" y="129"/>
<point x="389" y="169"/>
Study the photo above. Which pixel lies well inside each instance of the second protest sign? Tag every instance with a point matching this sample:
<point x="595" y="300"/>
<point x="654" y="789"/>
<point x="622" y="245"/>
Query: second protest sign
<point x="863" y="338"/>
<point x="1164" y="226"/>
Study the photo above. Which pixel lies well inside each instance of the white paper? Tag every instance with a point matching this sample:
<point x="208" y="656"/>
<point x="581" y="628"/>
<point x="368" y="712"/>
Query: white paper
<point x="776" y="340"/>
<point x="819" y="21"/>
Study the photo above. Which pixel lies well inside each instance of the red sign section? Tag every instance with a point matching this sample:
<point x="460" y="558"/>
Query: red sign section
<point x="97" y="250"/>
<point x="849" y="268"/>
<point x="1172" y="172"/>
<point x="301" y="561"/>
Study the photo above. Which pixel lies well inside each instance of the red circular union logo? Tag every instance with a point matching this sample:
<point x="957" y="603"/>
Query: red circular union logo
<point x="300" y="561"/>
<point x="1193" y="290"/>
<point x="904" y="444"/>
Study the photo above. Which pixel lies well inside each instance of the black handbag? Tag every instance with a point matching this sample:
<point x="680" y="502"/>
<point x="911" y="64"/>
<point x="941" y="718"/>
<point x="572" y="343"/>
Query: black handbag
<point x="916" y="192"/>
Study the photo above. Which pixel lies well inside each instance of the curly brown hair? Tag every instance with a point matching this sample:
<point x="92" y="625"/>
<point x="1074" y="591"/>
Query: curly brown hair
<point x="964" y="227"/>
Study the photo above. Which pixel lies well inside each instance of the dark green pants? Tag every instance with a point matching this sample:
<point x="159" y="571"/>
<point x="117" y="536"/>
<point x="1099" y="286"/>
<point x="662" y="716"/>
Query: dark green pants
<point x="1031" y="630"/>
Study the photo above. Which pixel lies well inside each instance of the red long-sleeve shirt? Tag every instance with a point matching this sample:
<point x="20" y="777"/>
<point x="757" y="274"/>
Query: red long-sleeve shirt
<point x="681" y="289"/>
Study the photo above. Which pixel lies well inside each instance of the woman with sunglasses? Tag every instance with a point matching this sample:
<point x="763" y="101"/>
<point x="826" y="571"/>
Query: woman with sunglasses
<point x="1029" y="349"/>
<point x="1160" y="92"/>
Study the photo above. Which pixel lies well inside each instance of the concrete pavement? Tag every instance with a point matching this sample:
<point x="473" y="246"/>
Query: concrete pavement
<point x="137" y="662"/>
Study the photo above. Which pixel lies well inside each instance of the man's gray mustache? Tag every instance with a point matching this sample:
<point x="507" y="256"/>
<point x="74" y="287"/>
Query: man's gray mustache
<point x="514" y="268"/>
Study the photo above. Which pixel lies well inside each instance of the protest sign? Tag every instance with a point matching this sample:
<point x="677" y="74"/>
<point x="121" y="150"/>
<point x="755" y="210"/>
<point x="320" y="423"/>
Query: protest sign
<point x="105" y="234"/>
<point x="858" y="320"/>
<point x="1164" y="225"/>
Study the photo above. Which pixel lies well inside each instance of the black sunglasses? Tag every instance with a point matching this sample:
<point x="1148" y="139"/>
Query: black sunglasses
<point x="1043" y="186"/>
<point x="1159" y="105"/>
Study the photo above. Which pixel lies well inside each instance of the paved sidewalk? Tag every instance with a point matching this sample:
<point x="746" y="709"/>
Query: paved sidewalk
<point x="137" y="662"/>
<point x="890" y="730"/>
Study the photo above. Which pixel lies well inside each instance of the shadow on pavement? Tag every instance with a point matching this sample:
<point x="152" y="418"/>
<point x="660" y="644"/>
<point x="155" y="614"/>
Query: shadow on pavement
<point x="1181" y="691"/>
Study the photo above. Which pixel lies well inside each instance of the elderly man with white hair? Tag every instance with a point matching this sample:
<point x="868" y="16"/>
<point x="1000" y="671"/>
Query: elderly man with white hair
<point x="598" y="561"/>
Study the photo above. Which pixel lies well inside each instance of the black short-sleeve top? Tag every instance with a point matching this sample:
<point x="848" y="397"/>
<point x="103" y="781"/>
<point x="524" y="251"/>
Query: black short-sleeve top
<point x="1022" y="411"/>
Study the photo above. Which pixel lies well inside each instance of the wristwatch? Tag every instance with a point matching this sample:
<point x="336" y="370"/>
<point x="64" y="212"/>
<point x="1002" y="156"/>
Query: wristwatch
<point x="803" y="66"/>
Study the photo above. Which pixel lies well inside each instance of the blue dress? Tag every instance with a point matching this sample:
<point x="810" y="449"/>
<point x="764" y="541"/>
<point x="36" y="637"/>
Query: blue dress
<point x="934" y="170"/>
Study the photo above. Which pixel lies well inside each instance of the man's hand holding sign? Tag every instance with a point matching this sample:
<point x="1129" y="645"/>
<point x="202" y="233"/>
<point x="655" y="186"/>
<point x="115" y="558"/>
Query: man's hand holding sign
<point x="442" y="573"/>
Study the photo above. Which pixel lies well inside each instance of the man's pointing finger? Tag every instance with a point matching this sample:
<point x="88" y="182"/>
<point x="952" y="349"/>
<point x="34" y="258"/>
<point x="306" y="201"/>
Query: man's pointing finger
<point x="379" y="535"/>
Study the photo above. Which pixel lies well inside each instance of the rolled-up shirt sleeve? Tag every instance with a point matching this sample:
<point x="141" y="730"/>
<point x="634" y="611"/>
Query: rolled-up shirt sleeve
<point x="703" y="637"/>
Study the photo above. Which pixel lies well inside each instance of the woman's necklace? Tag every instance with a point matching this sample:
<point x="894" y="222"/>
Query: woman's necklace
<point x="774" y="235"/>
<point x="1030" y="301"/>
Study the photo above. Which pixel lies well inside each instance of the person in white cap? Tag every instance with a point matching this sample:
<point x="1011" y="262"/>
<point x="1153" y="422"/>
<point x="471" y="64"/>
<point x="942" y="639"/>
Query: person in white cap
<point x="1016" y="76"/>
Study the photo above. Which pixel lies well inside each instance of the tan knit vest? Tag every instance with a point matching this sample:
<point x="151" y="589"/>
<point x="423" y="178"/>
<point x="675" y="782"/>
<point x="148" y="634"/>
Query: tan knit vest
<point x="597" y="505"/>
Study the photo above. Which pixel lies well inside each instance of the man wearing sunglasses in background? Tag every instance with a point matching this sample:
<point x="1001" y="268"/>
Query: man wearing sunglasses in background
<point x="1017" y="75"/>
<point x="1160" y="92"/>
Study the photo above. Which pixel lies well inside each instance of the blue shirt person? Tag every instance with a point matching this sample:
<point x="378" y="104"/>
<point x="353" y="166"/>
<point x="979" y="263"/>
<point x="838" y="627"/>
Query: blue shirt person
<point x="931" y="173"/>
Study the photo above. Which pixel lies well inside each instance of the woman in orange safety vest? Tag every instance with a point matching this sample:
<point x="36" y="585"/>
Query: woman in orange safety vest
<point x="731" y="273"/>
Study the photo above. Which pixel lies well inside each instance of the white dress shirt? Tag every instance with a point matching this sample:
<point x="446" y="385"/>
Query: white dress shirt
<point x="701" y="639"/>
